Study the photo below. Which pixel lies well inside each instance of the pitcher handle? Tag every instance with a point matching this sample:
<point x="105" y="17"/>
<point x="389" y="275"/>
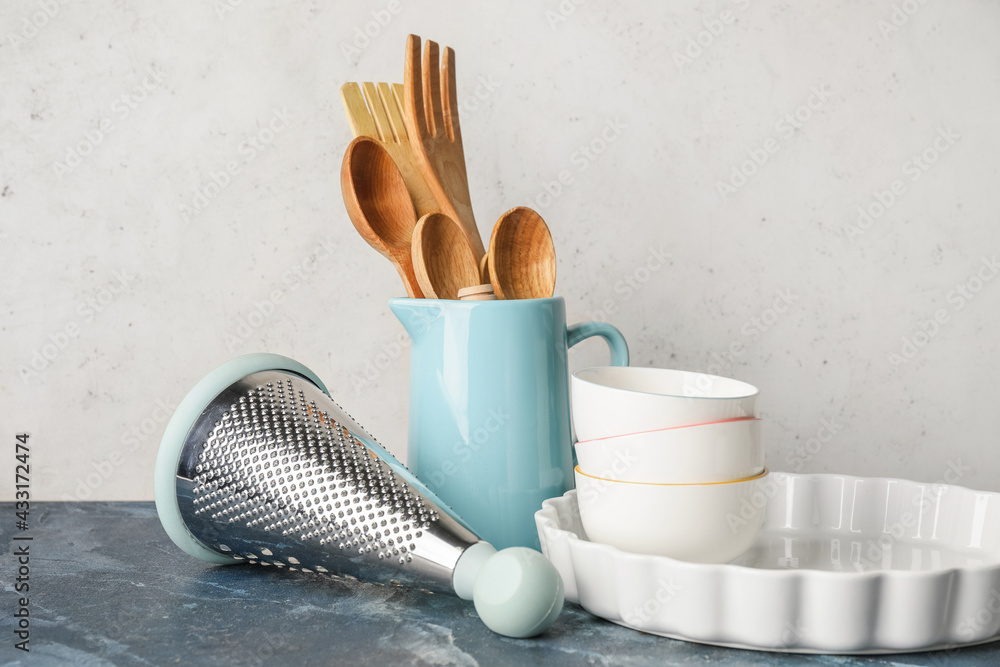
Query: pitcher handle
<point x="612" y="336"/>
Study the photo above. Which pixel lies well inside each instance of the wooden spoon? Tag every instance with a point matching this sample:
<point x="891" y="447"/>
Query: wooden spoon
<point x="522" y="258"/>
<point x="379" y="206"/>
<point x="444" y="260"/>
<point x="484" y="268"/>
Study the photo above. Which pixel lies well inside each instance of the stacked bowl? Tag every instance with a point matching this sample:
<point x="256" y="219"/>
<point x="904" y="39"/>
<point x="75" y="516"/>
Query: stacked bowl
<point x="670" y="462"/>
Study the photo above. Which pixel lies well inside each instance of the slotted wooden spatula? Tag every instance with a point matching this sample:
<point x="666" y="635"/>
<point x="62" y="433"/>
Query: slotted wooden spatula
<point x="430" y="110"/>
<point x="377" y="113"/>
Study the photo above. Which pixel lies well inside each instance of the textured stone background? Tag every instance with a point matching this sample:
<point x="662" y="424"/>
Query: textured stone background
<point x="102" y="192"/>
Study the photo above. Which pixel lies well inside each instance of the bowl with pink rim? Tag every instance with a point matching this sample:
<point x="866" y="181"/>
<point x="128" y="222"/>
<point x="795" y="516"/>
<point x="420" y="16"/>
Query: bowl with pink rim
<point x="619" y="400"/>
<point x="717" y="452"/>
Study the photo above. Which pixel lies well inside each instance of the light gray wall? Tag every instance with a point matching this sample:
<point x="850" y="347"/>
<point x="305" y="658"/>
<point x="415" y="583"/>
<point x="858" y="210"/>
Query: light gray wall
<point x="773" y="280"/>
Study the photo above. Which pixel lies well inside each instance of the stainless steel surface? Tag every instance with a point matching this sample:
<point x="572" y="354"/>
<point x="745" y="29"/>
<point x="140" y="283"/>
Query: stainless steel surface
<point x="275" y="473"/>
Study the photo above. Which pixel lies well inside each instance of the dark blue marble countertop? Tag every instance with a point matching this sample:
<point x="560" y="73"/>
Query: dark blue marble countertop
<point x="109" y="588"/>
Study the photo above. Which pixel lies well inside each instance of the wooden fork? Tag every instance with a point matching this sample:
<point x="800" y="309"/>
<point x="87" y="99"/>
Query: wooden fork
<point x="430" y="110"/>
<point x="377" y="113"/>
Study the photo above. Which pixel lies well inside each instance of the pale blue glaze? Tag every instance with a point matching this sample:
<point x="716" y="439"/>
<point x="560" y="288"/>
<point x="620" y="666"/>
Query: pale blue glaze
<point x="489" y="406"/>
<point x="518" y="593"/>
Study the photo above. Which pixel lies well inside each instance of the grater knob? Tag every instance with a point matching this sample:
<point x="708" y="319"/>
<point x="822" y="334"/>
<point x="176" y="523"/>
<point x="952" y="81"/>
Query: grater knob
<point x="258" y="465"/>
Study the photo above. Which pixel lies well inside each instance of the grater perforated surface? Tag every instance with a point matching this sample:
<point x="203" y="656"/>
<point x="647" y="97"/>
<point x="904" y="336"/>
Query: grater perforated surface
<point x="274" y="473"/>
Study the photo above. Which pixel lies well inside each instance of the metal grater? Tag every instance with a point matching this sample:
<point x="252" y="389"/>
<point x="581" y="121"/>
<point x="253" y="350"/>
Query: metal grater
<point x="274" y="472"/>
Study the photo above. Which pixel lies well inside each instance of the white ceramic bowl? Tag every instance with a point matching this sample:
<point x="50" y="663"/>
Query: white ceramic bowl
<point x="719" y="452"/>
<point x="619" y="400"/>
<point x="701" y="523"/>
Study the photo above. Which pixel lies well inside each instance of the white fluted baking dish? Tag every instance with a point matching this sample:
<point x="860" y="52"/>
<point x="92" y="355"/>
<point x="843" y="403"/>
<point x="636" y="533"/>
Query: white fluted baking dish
<point x="842" y="565"/>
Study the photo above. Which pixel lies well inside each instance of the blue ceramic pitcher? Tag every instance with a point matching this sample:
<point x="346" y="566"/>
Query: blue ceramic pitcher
<point x="489" y="406"/>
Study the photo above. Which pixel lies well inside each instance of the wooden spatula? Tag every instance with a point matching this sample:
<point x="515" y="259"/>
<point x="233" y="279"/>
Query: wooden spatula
<point x="430" y="110"/>
<point x="377" y="113"/>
